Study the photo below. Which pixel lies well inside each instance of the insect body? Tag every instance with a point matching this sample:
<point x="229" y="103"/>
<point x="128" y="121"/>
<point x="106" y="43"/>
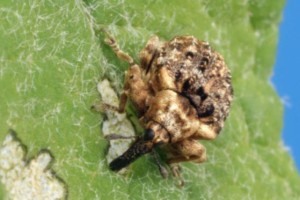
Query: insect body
<point x="182" y="92"/>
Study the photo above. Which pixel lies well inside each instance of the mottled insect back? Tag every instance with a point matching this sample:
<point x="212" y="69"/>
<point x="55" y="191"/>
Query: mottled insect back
<point x="182" y="92"/>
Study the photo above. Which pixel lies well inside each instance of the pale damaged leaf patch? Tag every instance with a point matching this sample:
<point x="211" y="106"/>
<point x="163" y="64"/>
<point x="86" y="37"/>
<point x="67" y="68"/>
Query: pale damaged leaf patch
<point x="32" y="179"/>
<point x="114" y="123"/>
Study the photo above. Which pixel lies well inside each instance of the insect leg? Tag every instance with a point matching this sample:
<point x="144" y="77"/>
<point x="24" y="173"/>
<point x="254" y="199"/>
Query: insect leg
<point x="117" y="137"/>
<point x="163" y="171"/>
<point x="122" y="104"/>
<point x="103" y="107"/>
<point x="187" y="150"/>
<point x="176" y="171"/>
<point x="115" y="47"/>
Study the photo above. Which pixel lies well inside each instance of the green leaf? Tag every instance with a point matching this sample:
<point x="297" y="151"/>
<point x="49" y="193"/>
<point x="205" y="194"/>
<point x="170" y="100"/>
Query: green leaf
<point x="51" y="57"/>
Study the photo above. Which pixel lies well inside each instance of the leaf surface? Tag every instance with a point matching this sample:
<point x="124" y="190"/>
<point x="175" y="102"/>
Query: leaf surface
<point x="52" y="56"/>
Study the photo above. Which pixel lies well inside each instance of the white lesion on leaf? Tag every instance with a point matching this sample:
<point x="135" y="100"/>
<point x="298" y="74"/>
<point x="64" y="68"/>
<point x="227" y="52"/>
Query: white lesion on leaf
<point x="114" y="123"/>
<point x="28" y="179"/>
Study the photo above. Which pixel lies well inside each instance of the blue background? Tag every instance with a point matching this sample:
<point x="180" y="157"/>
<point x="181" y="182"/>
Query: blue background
<point x="286" y="77"/>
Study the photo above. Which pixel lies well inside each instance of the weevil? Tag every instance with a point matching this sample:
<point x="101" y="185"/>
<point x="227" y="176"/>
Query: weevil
<point x="182" y="93"/>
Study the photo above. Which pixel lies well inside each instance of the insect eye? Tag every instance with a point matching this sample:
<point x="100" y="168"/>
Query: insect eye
<point x="148" y="135"/>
